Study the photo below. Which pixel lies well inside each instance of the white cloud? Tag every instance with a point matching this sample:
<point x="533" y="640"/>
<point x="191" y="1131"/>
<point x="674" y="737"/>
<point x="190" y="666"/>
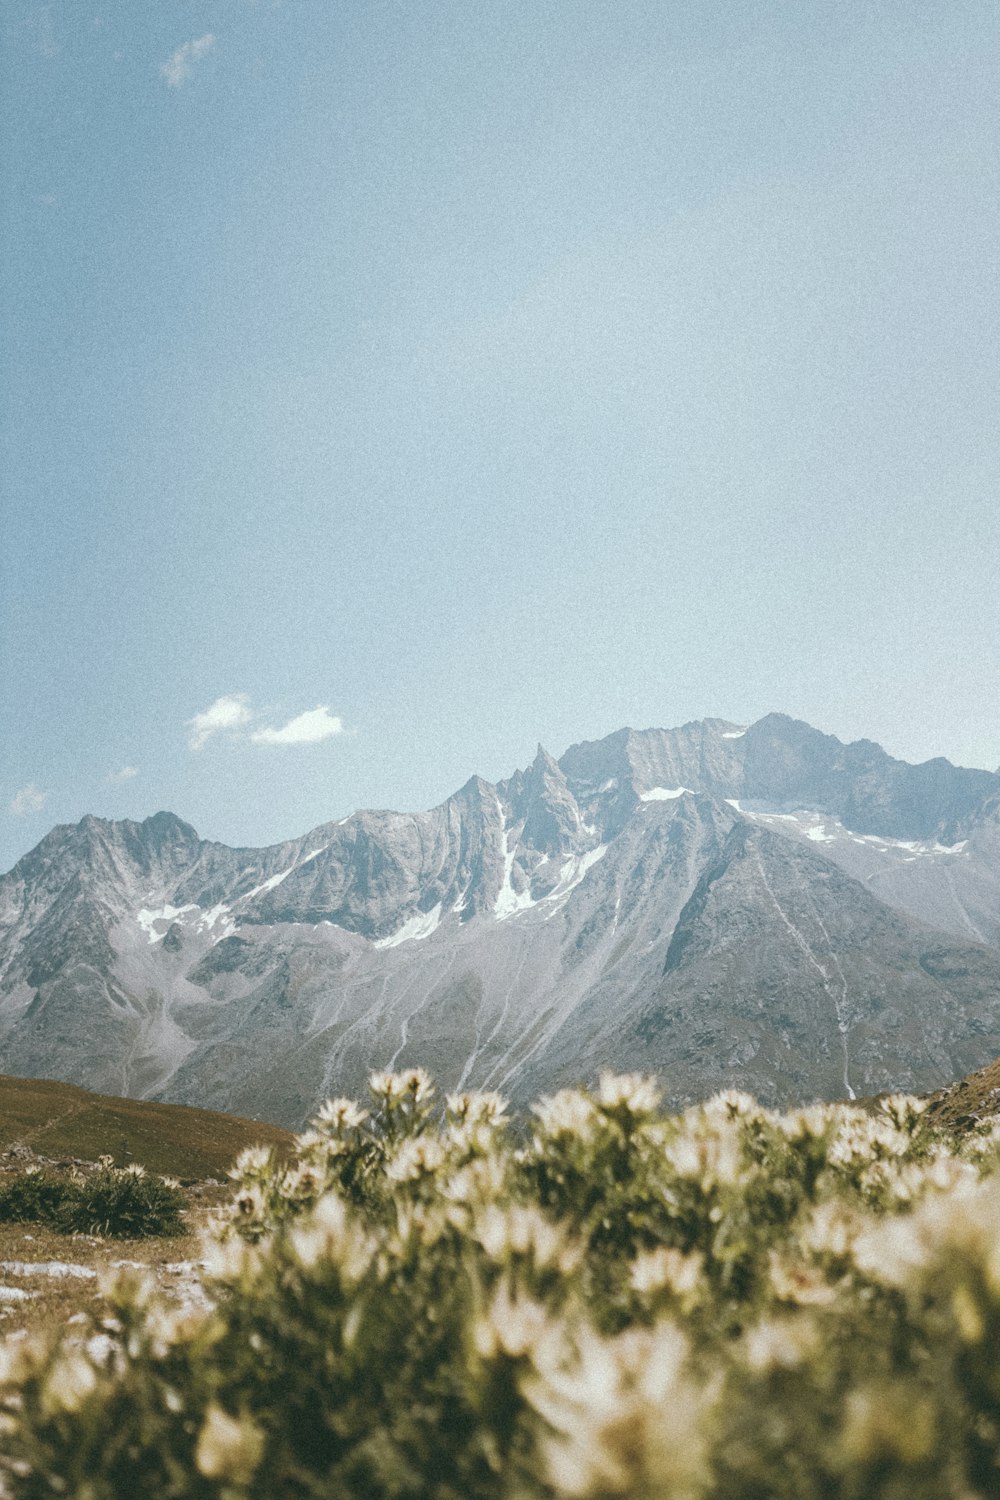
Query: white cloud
<point x="179" y="66"/>
<point x="231" y="711"/>
<point x="125" y="774"/>
<point x="307" y="729"/>
<point x="29" y="799"/>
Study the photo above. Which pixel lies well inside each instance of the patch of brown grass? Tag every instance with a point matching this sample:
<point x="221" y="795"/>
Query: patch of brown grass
<point x="61" y="1121"/>
<point x="968" y="1102"/>
<point x="55" y="1300"/>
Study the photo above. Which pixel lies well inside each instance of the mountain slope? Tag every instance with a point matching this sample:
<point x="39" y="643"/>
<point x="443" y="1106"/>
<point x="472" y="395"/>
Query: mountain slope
<point x="762" y="906"/>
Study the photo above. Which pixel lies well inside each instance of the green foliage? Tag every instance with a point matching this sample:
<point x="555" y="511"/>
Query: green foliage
<point x="32" y="1197"/>
<point x="123" y="1203"/>
<point x="732" y="1304"/>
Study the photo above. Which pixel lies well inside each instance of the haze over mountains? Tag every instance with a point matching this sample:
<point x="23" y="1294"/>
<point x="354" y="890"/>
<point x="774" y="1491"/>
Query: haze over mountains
<point x="759" y="907"/>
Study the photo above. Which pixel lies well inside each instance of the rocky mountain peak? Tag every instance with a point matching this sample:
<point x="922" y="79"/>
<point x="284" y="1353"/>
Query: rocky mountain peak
<point x="541" y="800"/>
<point x="789" y="764"/>
<point x="703" y="901"/>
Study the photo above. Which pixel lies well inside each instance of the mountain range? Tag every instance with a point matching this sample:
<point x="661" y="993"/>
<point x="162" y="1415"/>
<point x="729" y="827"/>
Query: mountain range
<point x="761" y="907"/>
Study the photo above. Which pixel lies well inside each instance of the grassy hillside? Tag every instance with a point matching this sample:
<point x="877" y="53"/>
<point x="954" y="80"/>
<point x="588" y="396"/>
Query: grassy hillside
<point x="970" y="1100"/>
<point x="60" y="1120"/>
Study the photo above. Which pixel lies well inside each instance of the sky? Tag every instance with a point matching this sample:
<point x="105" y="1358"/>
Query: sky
<point x="389" y="385"/>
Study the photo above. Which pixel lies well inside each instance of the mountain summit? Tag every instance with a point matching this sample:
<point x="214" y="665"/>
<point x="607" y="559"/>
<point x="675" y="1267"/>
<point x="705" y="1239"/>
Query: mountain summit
<point x="761" y="906"/>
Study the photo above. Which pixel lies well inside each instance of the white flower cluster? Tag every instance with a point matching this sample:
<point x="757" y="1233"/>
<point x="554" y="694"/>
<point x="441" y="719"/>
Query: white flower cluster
<point x="604" y="1302"/>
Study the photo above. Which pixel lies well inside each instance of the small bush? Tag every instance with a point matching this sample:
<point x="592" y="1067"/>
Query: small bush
<point x="123" y="1203"/>
<point x="33" y="1197"/>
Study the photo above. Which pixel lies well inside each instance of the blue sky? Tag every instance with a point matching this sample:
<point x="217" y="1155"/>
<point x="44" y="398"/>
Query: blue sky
<point x="415" y="381"/>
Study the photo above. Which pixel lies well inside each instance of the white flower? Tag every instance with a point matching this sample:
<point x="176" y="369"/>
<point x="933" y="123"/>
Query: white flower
<point x="341" y="1114"/>
<point x="250" y="1205"/>
<point x="301" y="1181"/>
<point x="418" y="1156"/>
<point x="624" y="1418"/>
<point x="477" y="1107"/>
<point x="832" y="1230"/>
<point x="330" y="1234"/>
<point x="70" y="1381"/>
<point x="254" y="1161"/>
<point x="523" y="1230"/>
<point x="891" y="1251"/>
<point x="628" y="1091"/>
<point x="904" y="1110"/>
<point x="666" y="1269"/>
<point x="229" y="1448"/>
<point x="567" y="1113"/>
<point x="412" y="1084"/>
<point x="168" y="1326"/>
<point x="811" y="1123"/>
<point x="479" y="1181"/>
<point x="710" y="1160"/>
<point x="230" y="1259"/>
<point x="514" y="1326"/>
<point x="15" y="1361"/>
<point x="779" y="1343"/>
<point x="732" y="1104"/>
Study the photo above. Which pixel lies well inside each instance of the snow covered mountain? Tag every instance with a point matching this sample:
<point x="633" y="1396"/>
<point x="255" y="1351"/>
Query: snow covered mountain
<point x="762" y="907"/>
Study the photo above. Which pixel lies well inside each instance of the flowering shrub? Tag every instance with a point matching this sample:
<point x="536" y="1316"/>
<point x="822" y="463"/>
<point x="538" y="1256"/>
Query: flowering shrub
<point x="33" y="1196"/>
<point x="125" y="1202"/>
<point x="729" y="1304"/>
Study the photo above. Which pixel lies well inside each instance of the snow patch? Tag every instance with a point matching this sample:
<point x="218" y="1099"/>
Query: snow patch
<point x="275" y="880"/>
<point x="665" y="793"/>
<point x="509" y="902"/>
<point x="58" y="1268"/>
<point x="269" y="885"/>
<point x="418" y="927"/>
<point x="574" y="870"/>
<point x="169" y="914"/>
<point x="217" y="921"/>
<point x="821" y="828"/>
<point x="218" y="917"/>
<point x="733" y="734"/>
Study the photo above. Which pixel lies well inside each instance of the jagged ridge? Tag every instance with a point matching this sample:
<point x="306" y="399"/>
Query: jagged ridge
<point x="699" y="900"/>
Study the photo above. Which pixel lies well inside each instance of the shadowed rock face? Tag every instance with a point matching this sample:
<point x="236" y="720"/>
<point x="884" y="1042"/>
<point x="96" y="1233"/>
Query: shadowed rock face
<point x="762" y="907"/>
